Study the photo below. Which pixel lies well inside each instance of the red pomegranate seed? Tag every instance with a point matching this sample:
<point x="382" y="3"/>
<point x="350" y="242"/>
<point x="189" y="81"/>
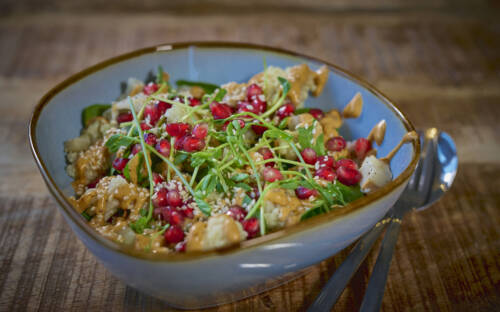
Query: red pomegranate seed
<point x="157" y="178"/>
<point x="261" y="106"/>
<point x="271" y="174"/>
<point x="220" y="110"/>
<point x="194" y="102"/>
<point x="267" y="154"/>
<point x="179" y="142"/>
<point x="158" y="213"/>
<point x="326" y="161"/>
<point x="173" y="216"/>
<point x="361" y="147"/>
<point x="163" y="147"/>
<point x="251" y="226"/>
<point x="317" y="113"/>
<point x="285" y="110"/>
<point x="305" y="193"/>
<point x="180" y="247"/>
<point x="193" y="144"/>
<point x="200" y="131"/>
<point x="153" y="114"/>
<point x="348" y="176"/>
<point x="345" y="162"/>
<point x="150" y="88"/>
<point x="136" y="148"/>
<point x="125" y="117"/>
<point x="253" y="90"/>
<point x="145" y="126"/>
<point x="237" y="213"/>
<point x="162" y="107"/>
<point x="326" y="173"/>
<point x="245" y="106"/>
<point x="309" y="156"/>
<point x="150" y="139"/>
<point x="188" y="212"/>
<point x="177" y="129"/>
<point x="160" y="200"/>
<point x="258" y="129"/>
<point x="174" y="199"/>
<point x="335" y="144"/>
<point x="174" y="234"/>
<point x="120" y="163"/>
<point x="93" y="184"/>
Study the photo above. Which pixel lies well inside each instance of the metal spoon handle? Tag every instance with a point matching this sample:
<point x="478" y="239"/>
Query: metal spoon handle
<point x="372" y="300"/>
<point x="337" y="283"/>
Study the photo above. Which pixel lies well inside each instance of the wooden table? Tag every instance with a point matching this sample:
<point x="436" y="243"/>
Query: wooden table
<point x="442" y="67"/>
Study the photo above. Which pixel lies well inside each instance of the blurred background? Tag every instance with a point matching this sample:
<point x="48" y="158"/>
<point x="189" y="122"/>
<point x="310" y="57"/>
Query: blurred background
<point x="439" y="60"/>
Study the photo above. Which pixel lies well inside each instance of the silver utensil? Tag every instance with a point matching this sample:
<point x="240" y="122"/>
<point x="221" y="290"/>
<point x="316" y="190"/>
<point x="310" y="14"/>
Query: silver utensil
<point x="428" y="184"/>
<point x="439" y="170"/>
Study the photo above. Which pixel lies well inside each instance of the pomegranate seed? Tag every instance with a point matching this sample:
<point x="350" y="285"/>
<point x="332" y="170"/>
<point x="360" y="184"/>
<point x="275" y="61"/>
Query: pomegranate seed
<point x="173" y="216"/>
<point x="361" y="147"/>
<point x="220" y="110"/>
<point x="136" y="148"/>
<point x="326" y="173"/>
<point x="326" y="161"/>
<point x="145" y="126"/>
<point x="200" y="131"/>
<point x="174" y="199"/>
<point x="160" y="200"/>
<point x="285" y="111"/>
<point x="309" y="156"/>
<point x="150" y="139"/>
<point x="261" y="106"/>
<point x="188" y="212"/>
<point x="174" y="234"/>
<point x="153" y="114"/>
<point x="93" y="184"/>
<point x="345" y="162"/>
<point x="120" y="163"/>
<point x="193" y="144"/>
<point x="258" y="129"/>
<point x="348" y="176"/>
<point x="150" y="88"/>
<point x="237" y="213"/>
<point x="179" y="142"/>
<point x="253" y="90"/>
<point x="251" y="226"/>
<point x="271" y="174"/>
<point x="163" y="147"/>
<point x="162" y="107"/>
<point x="305" y="193"/>
<point x="267" y="154"/>
<point x="157" y="178"/>
<point x="245" y="106"/>
<point x="158" y="213"/>
<point x="335" y="144"/>
<point x="317" y="113"/>
<point x="180" y="247"/>
<point x="125" y="117"/>
<point x="177" y="129"/>
<point x="194" y="102"/>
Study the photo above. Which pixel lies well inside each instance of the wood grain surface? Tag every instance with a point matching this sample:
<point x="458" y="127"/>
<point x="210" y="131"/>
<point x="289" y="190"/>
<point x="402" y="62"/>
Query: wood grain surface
<point x="441" y="68"/>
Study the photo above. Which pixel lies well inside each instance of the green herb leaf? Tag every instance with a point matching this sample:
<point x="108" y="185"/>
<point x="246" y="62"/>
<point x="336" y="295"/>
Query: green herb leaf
<point x="203" y="206"/>
<point x="301" y="111"/>
<point x="118" y="140"/>
<point x="305" y="137"/>
<point x="285" y="84"/>
<point x="180" y="158"/>
<point x="284" y="123"/>
<point x="349" y="193"/>
<point x="93" y="111"/>
<point x="319" y="147"/>
<point x="220" y="95"/>
<point x="290" y="185"/>
<point x="246" y="200"/>
<point x="159" y="76"/>
<point x="244" y="186"/>
<point x="86" y="216"/>
<point x="207" y="87"/>
<point x="139" y="225"/>
<point x="240" y="177"/>
<point x="312" y="212"/>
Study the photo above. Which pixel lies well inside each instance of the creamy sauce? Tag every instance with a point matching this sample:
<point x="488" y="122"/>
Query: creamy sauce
<point x="90" y="165"/>
<point x="330" y="123"/>
<point x="407" y="138"/>
<point x="377" y="134"/>
<point x="354" y="108"/>
<point x="300" y="76"/>
<point x="320" y="79"/>
<point x="290" y="206"/>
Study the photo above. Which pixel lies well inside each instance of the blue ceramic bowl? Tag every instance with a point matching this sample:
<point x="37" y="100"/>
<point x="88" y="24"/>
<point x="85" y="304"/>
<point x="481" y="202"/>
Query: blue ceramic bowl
<point x="195" y="280"/>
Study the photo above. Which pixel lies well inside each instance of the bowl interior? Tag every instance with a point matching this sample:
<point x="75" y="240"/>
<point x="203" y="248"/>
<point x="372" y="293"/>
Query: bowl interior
<point x="60" y="118"/>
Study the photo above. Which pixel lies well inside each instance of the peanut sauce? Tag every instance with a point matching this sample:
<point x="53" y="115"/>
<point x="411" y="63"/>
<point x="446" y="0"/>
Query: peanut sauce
<point x="407" y="138"/>
<point x="354" y="108"/>
<point x="378" y="132"/>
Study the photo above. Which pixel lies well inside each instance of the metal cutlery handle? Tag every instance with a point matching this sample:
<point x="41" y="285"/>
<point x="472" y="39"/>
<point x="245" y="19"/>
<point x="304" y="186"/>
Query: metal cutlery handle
<point x="338" y="282"/>
<point x="372" y="300"/>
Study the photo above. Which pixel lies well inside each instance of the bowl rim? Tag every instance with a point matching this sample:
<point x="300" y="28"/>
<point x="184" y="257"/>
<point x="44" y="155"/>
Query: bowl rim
<point x="244" y="246"/>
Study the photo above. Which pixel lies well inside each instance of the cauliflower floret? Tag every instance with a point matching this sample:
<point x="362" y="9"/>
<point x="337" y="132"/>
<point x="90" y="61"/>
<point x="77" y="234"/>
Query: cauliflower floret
<point x="218" y="232"/>
<point x="282" y="208"/>
<point x="235" y="92"/>
<point x="176" y="112"/>
<point x="138" y="101"/>
<point x="376" y="173"/>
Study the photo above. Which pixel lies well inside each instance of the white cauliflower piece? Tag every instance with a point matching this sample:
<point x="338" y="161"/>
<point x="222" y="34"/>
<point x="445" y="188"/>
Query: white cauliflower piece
<point x="220" y="231"/>
<point x="376" y="173"/>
